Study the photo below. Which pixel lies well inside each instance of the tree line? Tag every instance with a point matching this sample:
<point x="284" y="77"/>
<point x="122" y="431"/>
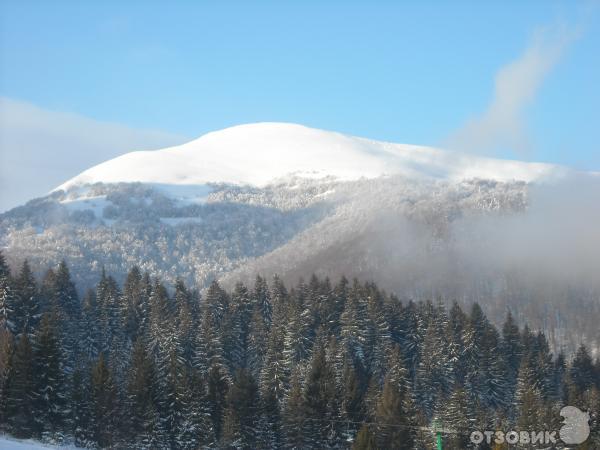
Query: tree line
<point x="319" y="365"/>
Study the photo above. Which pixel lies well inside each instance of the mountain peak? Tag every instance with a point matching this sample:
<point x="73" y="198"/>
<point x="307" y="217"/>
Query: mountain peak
<point x="259" y="153"/>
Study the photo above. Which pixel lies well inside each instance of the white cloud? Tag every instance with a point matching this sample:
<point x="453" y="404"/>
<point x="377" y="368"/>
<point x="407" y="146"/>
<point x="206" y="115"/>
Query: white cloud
<point x="40" y="149"/>
<point x="502" y="125"/>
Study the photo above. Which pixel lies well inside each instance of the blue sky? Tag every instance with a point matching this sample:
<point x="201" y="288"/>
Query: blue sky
<point x="411" y="72"/>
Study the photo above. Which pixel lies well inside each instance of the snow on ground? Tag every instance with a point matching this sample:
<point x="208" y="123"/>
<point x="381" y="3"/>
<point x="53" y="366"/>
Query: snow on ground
<point x="174" y="221"/>
<point x="96" y="204"/>
<point x="185" y="194"/>
<point x="10" y="443"/>
<point x="257" y="154"/>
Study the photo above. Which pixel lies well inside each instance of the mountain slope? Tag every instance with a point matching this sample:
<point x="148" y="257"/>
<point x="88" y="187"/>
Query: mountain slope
<point x="286" y="199"/>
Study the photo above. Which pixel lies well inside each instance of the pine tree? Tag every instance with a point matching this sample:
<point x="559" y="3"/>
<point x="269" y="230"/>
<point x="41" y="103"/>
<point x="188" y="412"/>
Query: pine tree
<point x="485" y="368"/>
<point x="81" y="409"/>
<point x="396" y="372"/>
<point x="458" y="415"/>
<point x="511" y="350"/>
<point x="379" y="339"/>
<point x="582" y="372"/>
<point x="7" y="300"/>
<point x="279" y="294"/>
<point x="269" y="433"/>
<point x="183" y="424"/>
<point x="258" y="336"/>
<point x="558" y="378"/>
<point x="26" y="308"/>
<point x="434" y="372"/>
<point x="133" y="305"/>
<point x="104" y="298"/>
<point x="4" y="269"/>
<point x="7" y="347"/>
<point x="273" y="384"/>
<point x="457" y="325"/>
<point x="216" y="304"/>
<point x="161" y="333"/>
<point x="495" y="387"/>
<point x="296" y="421"/>
<point x="186" y="322"/>
<point x="353" y="387"/>
<point x="261" y="299"/>
<point x="64" y="302"/>
<point x="198" y="415"/>
<point x="103" y="404"/>
<point x="208" y="350"/>
<point x="241" y="412"/>
<point x="352" y="326"/>
<point x="234" y="328"/>
<point x="320" y="402"/>
<point x="528" y="399"/>
<point x="51" y="399"/>
<point x="91" y="332"/>
<point x="411" y="335"/>
<point x="393" y="428"/>
<point x="218" y="386"/>
<point x="365" y="440"/>
<point x="141" y="395"/>
<point x="541" y="361"/>
<point x="21" y="390"/>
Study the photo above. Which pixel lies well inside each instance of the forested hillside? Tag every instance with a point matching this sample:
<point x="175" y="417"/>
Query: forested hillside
<point x="528" y="248"/>
<point x="318" y="365"/>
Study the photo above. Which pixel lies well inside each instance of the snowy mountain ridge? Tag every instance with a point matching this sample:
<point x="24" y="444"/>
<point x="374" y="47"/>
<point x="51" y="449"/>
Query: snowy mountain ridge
<point x="261" y="153"/>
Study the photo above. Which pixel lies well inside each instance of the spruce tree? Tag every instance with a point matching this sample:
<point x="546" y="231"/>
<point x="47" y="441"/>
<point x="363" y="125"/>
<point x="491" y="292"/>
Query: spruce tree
<point x="353" y="387"/>
<point x="51" y="401"/>
<point x="511" y="349"/>
<point x="186" y="323"/>
<point x="141" y="395"/>
<point x="131" y="304"/>
<point x="216" y="304"/>
<point x="64" y="302"/>
<point x="528" y="402"/>
<point x="457" y="324"/>
<point x="7" y="301"/>
<point x="103" y="404"/>
<point x="393" y="428"/>
<point x="261" y="300"/>
<point x="411" y="335"/>
<point x="4" y="269"/>
<point x="241" y="414"/>
<point x="258" y="336"/>
<point x="458" y="415"/>
<point x="91" y="329"/>
<point x="365" y="440"/>
<point x="21" y="393"/>
<point x="582" y="370"/>
<point x="296" y="421"/>
<point x="200" y="421"/>
<point x="217" y="386"/>
<point x="7" y="347"/>
<point x="27" y="307"/>
<point x="234" y="328"/>
<point x="81" y="409"/>
<point x="320" y="401"/>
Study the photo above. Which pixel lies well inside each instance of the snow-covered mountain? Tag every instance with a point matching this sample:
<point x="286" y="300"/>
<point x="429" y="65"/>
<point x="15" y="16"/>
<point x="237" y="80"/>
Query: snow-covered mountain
<point x="282" y="198"/>
<point x="258" y="154"/>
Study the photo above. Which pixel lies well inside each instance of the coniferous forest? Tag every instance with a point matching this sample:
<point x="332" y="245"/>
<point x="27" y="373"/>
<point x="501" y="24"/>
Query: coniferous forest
<point x="318" y="365"/>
